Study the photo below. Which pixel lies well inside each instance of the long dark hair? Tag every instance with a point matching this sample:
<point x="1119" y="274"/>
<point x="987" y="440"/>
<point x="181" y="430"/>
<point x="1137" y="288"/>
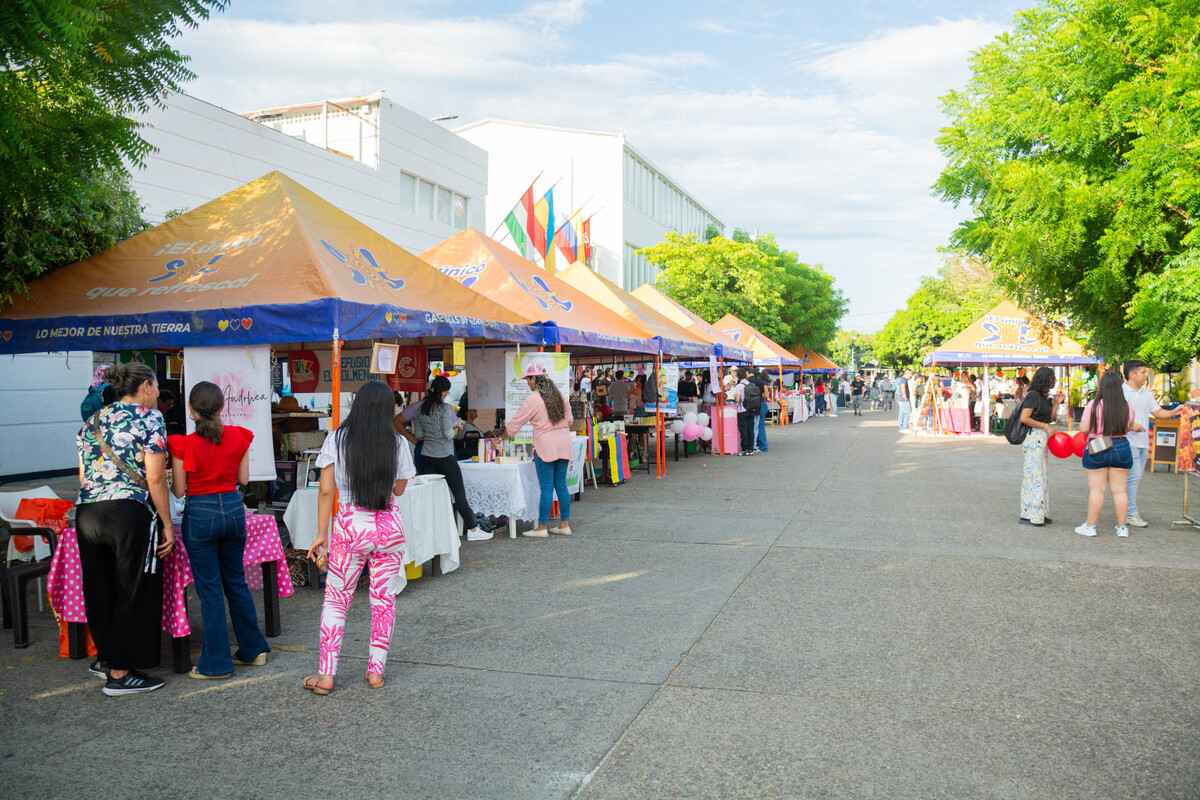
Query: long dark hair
<point x="127" y="379"/>
<point x="551" y="396"/>
<point x="367" y="446"/>
<point x="1043" y="382"/>
<point x="207" y="400"/>
<point x="433" y="397"/>
<point x="1116" y="409"/>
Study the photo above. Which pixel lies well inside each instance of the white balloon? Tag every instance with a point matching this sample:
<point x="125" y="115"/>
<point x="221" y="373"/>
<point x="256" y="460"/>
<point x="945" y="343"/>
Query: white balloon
<point x="702" y="419"/>
<point x="706" y="434"/>
<point x="677" y="426"/>
<point x="689" y="418"/>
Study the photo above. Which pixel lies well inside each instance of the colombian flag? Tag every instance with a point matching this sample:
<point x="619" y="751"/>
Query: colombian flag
<point x="543" y="216"/>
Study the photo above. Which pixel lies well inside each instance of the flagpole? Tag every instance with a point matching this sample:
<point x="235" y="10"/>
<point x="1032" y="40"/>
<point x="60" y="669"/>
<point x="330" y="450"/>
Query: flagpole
<point x="514" y="205"/>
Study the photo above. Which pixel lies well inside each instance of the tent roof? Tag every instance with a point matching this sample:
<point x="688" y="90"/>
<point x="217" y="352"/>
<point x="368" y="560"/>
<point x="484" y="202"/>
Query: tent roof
<point x="269" y="262"/>
<point x="491" y="269"/>
<point x="676" y="340"/>
<point x="1008" y="335"/>
<point x="767" y="352"/>
<point x="814" y="361"/>
<point x="690" y="321"/>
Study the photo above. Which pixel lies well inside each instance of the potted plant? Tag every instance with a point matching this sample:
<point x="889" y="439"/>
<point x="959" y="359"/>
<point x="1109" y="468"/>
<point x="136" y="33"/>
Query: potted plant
<point x="1075" y="401"/>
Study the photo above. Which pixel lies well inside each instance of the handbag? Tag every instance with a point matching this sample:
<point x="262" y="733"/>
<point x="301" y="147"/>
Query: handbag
<point x="1099" y="444"/>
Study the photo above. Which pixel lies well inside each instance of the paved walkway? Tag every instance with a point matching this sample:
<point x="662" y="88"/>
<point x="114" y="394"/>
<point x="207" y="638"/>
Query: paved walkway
<point x="853" y="615"/>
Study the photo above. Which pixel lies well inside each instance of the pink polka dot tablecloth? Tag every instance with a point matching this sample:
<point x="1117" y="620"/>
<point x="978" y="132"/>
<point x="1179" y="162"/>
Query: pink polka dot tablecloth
<point x="65" y="581"/>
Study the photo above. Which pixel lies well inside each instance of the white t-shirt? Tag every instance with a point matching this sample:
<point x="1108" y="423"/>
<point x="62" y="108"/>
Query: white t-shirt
<point x="585" y="384"/>
<point x="1142" y="404"/>
<point x="330" y="455"/>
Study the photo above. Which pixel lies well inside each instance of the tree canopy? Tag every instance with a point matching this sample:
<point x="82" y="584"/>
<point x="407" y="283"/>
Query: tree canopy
<point x="1077" y="146"/>
<point x="73" y="73"/>
<point x="852" y="349"/>
<point x="941" y="307"/>
<point x="767" y="287"/>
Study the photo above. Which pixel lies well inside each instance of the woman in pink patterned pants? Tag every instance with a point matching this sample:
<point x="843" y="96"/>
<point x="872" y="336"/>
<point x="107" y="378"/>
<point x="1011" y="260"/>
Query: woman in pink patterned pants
<point x="367" y="465"/>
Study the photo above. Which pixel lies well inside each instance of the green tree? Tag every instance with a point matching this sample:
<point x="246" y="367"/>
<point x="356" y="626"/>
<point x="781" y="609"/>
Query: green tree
<point x="853" y="347"/>
<point x="767" y="287"/>
<point x="73" y="71"/>
<point x="939" y="309"/>
<point x="1167" y="310"/>
<point x="1077" y="146"/>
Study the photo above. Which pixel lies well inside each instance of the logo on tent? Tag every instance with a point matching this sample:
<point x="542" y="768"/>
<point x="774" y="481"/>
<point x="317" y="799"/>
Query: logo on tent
<point x="542" y="293"/>
<point x="178" y="268"/>
<point x="733" y="333"/>
<point x="467" y="274"/>
<point x="364" y="268"/>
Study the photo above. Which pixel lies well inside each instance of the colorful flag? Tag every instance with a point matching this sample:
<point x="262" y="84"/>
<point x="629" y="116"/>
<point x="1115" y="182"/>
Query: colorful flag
<point x="585" y="239"/>
<point x="517" y="223"/>
<point x="567" y="243"/>
<point x="543" y="214"/>
<point x="536" y="224"/>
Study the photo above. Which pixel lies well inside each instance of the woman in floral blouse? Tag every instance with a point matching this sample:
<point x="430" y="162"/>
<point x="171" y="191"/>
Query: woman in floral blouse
<point x="123" y="482"/>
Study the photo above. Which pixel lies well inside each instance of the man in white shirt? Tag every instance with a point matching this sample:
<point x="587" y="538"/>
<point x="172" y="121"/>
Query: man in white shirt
<point x="1141" y="401"/>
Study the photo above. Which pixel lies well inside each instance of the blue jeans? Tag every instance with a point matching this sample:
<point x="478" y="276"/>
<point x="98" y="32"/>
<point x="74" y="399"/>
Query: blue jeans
<point x="762" y="427"/>
<point x="1140" y="454"/>
<point x="214" y="532"/>
<point x="904" y="414"/>
<point x="552" y="480"/>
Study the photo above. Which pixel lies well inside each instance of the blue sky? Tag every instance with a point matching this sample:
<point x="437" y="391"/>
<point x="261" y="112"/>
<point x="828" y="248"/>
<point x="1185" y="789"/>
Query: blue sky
<point x="812" y="120"/>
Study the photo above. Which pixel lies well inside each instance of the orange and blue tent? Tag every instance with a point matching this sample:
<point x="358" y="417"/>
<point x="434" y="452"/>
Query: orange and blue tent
<point x="767" y="352"/>
<point x="689" y="320"/>
<point x="270" y="262"/>
<point x="676" y="340"/>
<point x="496" y="272"/>
<point x="1010" y="335"/>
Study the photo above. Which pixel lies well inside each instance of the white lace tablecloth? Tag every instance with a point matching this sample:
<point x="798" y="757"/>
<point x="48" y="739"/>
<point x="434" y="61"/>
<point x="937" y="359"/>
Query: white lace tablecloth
<point x="509" y="490"/>
<point x="429" y="526"/>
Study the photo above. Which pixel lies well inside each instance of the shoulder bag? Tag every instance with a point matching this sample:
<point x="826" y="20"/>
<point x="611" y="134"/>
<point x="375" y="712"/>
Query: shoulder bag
<point x="150" y="562"/>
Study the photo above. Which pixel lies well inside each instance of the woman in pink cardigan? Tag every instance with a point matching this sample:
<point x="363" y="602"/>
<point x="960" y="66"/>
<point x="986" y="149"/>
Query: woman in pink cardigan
<point x="550" y="415"/>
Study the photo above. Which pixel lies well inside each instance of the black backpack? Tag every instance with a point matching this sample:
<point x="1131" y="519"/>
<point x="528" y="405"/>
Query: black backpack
<point x="1016" y="431"/>
<point x="752" y="396"/>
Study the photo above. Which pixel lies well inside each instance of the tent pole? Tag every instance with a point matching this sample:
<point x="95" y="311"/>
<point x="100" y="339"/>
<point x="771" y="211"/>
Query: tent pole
<point x="719" y="394"/>
<point x="782" y="399"/>
<point x="985" y="421"/>
<point x="335" y="359"/>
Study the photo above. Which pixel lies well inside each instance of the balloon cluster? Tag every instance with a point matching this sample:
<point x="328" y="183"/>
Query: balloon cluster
<point x="1065" y="446"/>
<point x="693" y="426"/>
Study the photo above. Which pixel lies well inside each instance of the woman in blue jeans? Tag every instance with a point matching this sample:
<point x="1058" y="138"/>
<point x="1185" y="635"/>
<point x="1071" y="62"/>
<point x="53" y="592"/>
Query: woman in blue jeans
<point x="208" y="465"/>
<point x="550" y="415"/>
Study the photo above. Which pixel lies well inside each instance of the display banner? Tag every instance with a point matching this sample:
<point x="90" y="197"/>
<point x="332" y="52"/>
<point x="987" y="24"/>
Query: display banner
<point x="558" y="368"/>
<point x="668" y="390"/>
<point x="311" y="373"/>
<point x="412" y="370"/>
<point x="244" y="375"/>
<point x="485" y="368"/>
<point x="575" y="482"/>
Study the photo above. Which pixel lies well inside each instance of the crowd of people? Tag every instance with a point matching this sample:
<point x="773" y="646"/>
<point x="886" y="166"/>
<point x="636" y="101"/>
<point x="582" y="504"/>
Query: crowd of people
<point x="141" y="487"/>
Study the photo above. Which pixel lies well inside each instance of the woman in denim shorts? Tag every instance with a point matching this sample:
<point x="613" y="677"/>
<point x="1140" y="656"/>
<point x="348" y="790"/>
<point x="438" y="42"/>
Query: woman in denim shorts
<point x="1108" y="417"/>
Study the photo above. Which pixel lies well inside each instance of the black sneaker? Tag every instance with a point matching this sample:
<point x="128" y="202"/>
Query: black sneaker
<point x="99" y="669"/>
<point x="132" y="683"/>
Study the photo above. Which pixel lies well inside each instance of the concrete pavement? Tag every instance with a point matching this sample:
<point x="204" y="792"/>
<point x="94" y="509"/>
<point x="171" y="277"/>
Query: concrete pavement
<point x="852" y="615"/>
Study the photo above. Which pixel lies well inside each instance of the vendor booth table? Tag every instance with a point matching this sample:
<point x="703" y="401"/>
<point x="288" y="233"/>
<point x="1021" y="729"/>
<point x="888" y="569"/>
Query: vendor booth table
<point x="428" y="512"/>
<point x="263" y="551"/>
<point x="503" y="490"/>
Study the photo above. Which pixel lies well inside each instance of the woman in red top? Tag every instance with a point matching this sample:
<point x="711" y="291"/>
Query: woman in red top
<point x="208" y="465"/>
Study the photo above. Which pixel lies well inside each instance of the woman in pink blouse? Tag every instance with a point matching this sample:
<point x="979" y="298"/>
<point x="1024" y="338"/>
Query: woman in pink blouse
<point x="550" y="415"/>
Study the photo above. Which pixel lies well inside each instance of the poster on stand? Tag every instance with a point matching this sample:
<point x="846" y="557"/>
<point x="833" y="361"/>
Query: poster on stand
<point x="668" y="390"/>
<point x="558" y="368"/>
<point x="486" y="368"/>
<point x="244" y="375"/>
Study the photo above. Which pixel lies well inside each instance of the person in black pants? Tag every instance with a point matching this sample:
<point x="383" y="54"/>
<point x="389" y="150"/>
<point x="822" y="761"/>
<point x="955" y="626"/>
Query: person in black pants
<point x="746" y="419"/>
<point x="123" y="481"/>
<point x="434" y="427"/>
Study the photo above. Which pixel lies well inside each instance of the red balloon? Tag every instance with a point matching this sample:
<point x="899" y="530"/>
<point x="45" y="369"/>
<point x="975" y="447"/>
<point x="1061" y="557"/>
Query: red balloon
<point x="1079" y="443"/>
<point x="1061" y="445"/>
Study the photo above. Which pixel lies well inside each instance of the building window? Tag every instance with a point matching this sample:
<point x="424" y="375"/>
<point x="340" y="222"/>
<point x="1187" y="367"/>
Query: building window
<point x="636" y="269"/>
<point x="445" y="214"/>
<point x="408" y="193"/>
<point x="460" y="212"/>
<point x="425" y="200"/>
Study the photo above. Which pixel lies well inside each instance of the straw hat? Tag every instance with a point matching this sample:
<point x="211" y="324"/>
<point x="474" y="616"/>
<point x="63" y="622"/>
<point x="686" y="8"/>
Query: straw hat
<point x="534" y="370"/>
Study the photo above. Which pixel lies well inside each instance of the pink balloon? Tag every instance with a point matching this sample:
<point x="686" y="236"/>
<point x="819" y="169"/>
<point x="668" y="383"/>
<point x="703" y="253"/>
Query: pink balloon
<point x="691" y="432"/>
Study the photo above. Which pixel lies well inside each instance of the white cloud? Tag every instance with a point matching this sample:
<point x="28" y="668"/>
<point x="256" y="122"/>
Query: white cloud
<point x="712" y="26"/>
<point x="838" y="166"/>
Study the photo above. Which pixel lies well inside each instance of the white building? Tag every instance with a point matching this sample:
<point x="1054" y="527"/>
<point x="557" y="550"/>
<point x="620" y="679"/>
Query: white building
<point x="635" y="202"/>
<point x="404" y="175"/>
